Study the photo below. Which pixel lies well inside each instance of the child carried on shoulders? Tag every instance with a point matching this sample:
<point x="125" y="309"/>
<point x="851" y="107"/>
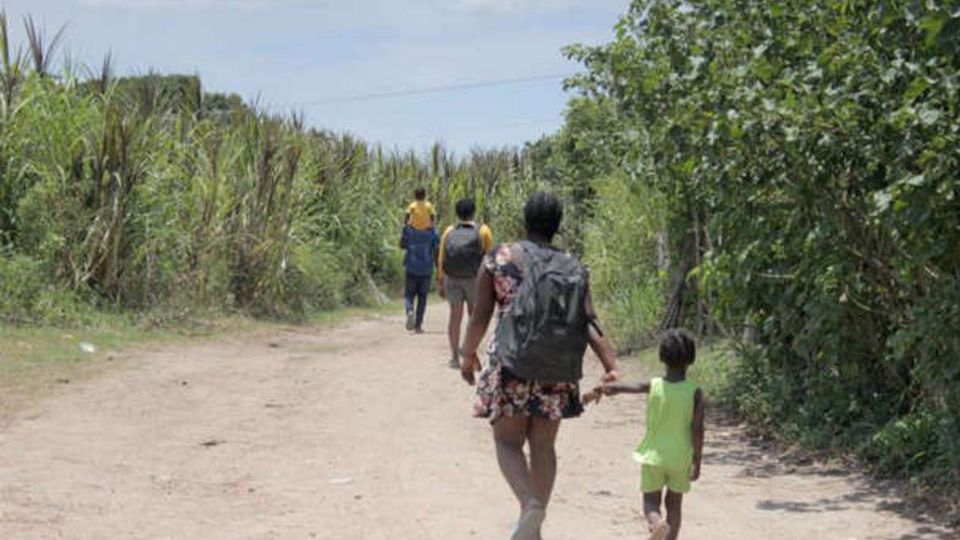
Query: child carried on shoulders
<point x="420" y="213"/>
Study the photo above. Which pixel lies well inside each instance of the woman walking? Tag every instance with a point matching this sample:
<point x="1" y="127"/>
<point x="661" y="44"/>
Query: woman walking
<point x="545" y="321"/>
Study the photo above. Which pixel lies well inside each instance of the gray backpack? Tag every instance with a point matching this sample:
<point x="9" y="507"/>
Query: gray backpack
<point x="542" y="336"/>
<point x="463" y="251"/>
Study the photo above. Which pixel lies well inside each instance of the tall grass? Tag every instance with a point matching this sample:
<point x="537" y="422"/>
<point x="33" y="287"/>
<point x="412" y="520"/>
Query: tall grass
<point x="146" y="192"/>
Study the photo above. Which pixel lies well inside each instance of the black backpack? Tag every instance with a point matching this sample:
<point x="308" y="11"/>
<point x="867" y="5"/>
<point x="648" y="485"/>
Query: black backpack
<point x="542" y="336"/>
<point x="463" y="251"/>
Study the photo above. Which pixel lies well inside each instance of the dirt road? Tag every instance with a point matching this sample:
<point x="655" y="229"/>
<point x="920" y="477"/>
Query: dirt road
<point x="361" y="432"/>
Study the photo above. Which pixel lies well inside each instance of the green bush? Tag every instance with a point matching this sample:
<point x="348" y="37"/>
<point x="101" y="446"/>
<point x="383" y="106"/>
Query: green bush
<point x="28" y="296"/>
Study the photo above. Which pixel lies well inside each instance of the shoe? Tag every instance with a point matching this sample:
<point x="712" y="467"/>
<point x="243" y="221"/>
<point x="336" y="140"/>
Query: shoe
<point x="528" y="528"/>
<point x="660" y="531"/>
<point x="454" y="363"/>
<point x="410" y="321"/>
<point x="418" y="330"/>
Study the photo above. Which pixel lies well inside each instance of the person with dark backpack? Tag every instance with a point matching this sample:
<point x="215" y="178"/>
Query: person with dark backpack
<point x="462" y="248"/>
<point x="545" y="322"/>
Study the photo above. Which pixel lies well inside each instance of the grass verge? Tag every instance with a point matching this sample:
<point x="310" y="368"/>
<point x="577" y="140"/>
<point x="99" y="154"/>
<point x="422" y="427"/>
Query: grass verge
<point x="34" y="360"/>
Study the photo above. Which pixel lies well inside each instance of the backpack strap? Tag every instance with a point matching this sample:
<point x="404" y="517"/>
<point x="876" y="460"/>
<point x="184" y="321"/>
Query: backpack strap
<point x="528" y="248"/>
<point x="594" y="322"/>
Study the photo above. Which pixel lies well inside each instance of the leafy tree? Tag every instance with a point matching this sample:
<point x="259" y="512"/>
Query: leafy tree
<point x="806" y="153"/>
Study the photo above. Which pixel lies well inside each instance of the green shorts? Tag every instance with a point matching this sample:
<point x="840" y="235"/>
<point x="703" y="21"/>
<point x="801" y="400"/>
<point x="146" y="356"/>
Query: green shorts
<point x="653" y="479"/>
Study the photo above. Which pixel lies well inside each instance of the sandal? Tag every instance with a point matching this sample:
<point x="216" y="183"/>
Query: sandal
<point x="659" y="531"/>
<point x="528" y="527"/>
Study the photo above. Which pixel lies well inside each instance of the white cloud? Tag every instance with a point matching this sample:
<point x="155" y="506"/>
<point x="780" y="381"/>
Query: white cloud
<point x="181" y="4"/>
<point x="510" y="6"/>
<point x="491" y="5"/>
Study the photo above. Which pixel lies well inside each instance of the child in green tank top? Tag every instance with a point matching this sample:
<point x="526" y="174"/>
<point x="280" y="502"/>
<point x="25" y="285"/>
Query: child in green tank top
<point x="672" y="447"/>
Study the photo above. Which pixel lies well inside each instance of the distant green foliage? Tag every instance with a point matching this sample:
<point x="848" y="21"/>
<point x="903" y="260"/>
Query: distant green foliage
<point x="620" y="244"/>
<point x="586" y="149"/>
<point x="808" y="152"/>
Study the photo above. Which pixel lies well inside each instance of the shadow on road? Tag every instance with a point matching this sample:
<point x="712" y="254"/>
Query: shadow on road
<point x="758" y="458"/>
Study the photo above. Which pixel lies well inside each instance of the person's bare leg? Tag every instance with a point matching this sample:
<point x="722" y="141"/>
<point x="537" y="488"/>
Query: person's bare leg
<point x="542" y="436"/>
<point x="651" y="510"/>
<point x="509" y="434"/>
<point x="453" y="330"/>
<point x="674" y="505"/>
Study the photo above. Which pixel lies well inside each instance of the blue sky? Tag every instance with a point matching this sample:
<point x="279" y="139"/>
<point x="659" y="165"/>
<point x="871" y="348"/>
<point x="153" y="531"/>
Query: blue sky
<point x="293" y="54"/>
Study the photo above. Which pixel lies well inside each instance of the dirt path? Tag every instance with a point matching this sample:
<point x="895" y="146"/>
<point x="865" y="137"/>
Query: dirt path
<point x="361" y="432"/>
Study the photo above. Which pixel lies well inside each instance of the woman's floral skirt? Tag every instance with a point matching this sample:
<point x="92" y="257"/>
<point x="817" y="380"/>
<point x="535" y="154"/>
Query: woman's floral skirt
<point x="501" y="393"/>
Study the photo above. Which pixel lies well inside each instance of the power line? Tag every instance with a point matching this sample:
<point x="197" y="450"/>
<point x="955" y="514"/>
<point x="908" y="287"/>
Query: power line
<point x="486" y="128"/>
<point x="430" y="89"/>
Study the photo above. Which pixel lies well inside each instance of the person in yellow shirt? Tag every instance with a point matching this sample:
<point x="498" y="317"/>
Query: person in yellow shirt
<point x="462" y="248"/>
<point x="672" y="447"/>
<point x="420" y="213"/>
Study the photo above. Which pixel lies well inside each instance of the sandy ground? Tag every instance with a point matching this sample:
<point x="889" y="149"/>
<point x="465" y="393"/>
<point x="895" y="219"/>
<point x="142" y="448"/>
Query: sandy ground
<point x="361" y="432"/>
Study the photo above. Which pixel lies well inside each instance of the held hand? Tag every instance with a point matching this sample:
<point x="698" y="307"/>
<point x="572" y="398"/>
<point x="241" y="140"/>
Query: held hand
<point x="609" y="389"/>
<point x="593" y="396"/>
<point x="469" y="363"/>
<point x="611" y="376"/>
